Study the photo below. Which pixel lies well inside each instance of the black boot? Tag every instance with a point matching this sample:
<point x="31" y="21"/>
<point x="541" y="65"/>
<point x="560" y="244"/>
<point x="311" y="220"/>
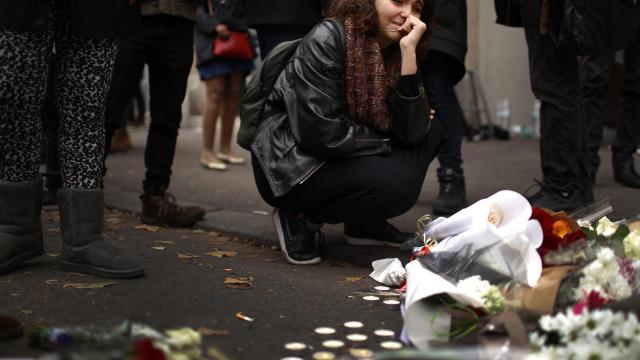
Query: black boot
<point x="453" y="195"/>
<point x="625" y="173"/>
<point x="84" y="250"/>
<point x="20" y="226"/>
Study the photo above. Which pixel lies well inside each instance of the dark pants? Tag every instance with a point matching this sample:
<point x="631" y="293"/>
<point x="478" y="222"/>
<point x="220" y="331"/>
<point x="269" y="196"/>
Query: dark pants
<point x="554" y="81"/>
<point x="360" y="190"/>
<point x="439" y="78"/>
<point x="271" y="35"/>
<point x="594" y="71"/>
<point x="165" y="44"/>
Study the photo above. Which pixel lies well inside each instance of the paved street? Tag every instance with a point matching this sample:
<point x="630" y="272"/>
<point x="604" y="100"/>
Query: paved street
<point x="185" y="287"/>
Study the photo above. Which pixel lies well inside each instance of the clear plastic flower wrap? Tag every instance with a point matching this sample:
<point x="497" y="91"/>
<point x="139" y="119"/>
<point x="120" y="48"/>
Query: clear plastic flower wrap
<point x="492" y="238"/>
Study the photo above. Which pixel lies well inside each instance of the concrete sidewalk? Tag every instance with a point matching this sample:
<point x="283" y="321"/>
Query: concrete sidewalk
<point x="235" y="208"/>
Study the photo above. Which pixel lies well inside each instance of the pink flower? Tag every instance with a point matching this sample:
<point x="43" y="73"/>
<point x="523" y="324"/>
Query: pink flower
<point x="591" y="302"/>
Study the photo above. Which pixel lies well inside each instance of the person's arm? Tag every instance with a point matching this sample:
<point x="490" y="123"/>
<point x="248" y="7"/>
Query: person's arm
<point x="206" y="23"/>
<point x="316" y="105"/>
<point x="409" y="110"/>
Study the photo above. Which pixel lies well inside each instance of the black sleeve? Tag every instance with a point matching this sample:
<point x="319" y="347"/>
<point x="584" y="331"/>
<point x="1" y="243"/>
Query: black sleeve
<point x="409" y="110"/>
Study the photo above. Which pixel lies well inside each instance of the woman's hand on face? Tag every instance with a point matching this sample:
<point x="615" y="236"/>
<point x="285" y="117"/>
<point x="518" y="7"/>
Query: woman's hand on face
<point x="222" y="30"/>
<point x="414" y="28"/>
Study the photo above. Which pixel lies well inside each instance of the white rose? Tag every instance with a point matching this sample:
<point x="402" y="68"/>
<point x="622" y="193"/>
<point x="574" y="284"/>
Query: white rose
<point x="605" y="227"/>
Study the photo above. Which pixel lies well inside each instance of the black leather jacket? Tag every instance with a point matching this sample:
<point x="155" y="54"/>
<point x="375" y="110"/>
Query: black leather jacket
<point x="307" y="120"/>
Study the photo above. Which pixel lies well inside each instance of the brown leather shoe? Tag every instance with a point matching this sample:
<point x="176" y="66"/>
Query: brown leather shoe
<point x="10" y="328"/>
<point x="162" y="209"/>
<point x="121" y="141"/>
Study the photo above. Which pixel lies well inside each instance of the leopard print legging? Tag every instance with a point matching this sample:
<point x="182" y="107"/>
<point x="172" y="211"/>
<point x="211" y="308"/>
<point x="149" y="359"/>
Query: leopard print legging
<point x="81" y="81"/>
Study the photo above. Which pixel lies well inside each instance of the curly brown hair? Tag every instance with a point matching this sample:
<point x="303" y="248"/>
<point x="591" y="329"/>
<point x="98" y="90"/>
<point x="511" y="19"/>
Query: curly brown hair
<point x="366" y="19"/>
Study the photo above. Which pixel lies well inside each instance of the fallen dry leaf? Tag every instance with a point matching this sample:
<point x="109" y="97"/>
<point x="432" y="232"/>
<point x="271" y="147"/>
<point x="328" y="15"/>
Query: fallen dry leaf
<point x="188" y="256"/>
<point x="216" y="354"/>
<point x="78" y="274"/>
<point x="98" y="285"/>
<point x="145" y="227"/>
<point x="222" y="253"/>
<point x="51" y="281"/>
<point x="165" y="242"/>
<point x="198" y="231"/>
<point x="240" y="315"/>
<point x="242" y="283"/>
<point x="354" y="278"/>
<point x="227" y="270"/>
<point x="161" y="248"/>
<point x="205" y="331"/>
<point x="213" y="233"/>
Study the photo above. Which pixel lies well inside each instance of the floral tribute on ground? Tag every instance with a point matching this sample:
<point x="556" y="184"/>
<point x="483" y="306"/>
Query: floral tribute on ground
<point x="502" y="267"/>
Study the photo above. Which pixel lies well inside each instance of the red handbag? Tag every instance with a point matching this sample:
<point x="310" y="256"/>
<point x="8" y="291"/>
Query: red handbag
<point x="235" y="47"/>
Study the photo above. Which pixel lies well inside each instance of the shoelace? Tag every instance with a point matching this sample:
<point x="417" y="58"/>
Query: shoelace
<point x="168" y="204"/>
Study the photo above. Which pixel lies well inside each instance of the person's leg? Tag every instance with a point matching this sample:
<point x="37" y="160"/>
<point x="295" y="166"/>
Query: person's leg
<point x="83" y="74"/>
<point x="214" y="100"/>
<point x="23" y="85"/>
<point x="362" y="189"/>
<point x="554" y="80"/>
<point x="627" y="136"/>
<point x="231" y="95"/>
<point x="439" y="81"/>
<point x="169" y="59"/>
<point x="128" y="66"/>
<point x="594" y="82"/>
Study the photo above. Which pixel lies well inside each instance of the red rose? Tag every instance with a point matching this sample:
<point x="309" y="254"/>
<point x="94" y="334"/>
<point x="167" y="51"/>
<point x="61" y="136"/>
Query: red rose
<point x="144" y="350"/>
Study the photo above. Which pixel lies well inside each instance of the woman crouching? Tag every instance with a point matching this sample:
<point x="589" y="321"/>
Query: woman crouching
<point x="347" y="134"/>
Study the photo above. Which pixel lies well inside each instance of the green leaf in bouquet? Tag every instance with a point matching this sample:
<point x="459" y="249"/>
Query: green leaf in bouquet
<point x="566" y="292"/>
<point x="590" y="233"/>
<point x="616" y="242"/>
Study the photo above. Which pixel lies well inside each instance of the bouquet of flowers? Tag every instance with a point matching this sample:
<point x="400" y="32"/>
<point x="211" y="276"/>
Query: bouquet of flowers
<point x="464" y="258"/>
<point x="598" y="334"/>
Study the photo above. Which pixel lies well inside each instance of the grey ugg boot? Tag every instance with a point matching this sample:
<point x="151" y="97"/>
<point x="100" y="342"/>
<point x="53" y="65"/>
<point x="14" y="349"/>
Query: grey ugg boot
<point x="20" y="226"/>
<point x="84" y="249"/>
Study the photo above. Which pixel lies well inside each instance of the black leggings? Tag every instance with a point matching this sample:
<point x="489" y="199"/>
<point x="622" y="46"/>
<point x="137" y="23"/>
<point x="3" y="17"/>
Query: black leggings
<point x="360" y="190"/>
<point x="81" y="80"/>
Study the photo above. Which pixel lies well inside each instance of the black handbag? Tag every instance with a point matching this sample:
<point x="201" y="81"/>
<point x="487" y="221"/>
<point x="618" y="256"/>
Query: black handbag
<point x="598" y="26"/>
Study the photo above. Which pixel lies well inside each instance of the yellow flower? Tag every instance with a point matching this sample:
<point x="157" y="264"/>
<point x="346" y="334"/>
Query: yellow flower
<point x="561" y="228"/>
<point x="632" y="245"/>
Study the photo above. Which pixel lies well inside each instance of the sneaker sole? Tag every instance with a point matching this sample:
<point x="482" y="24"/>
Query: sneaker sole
<point x="277" y="224"/>
<point x="19" y="260"/>
<point x="100" y="271"/>
<point x="354" y="241"/>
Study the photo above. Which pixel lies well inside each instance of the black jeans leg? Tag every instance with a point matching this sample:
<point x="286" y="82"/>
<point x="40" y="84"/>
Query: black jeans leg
<point x="360" y="190"/>
<point x="594" y="83"/>
<point x="439" y="80"/>
<point x="126" y="74"/>
<point x="628" y="134"/>
<point x="169" y="60"/>
<point x="554" y="80"/>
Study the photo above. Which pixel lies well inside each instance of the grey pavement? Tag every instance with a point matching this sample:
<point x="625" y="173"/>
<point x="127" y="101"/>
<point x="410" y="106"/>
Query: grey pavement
<point x="235" y="208"/>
